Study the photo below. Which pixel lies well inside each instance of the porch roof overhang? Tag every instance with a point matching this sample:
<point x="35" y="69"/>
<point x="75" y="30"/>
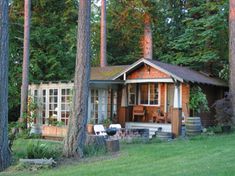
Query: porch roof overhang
<point x="105" y="83"/>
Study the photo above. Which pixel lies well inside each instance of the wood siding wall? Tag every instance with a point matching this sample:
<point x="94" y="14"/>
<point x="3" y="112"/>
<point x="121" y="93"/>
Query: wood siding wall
<point x="147" y="72"/>
<point x="121" y="111"/>
<point x="185" y="99"/>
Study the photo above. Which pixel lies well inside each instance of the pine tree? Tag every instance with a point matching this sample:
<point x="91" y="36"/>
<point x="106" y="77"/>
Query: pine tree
<point x="75" y="139"/>
<point x="25" y="70"/>
<point x="5" y="156"/>
<point x="232" y="53"/>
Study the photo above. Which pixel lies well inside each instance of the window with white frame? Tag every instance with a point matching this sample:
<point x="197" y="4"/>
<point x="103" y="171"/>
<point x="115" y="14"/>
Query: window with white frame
<point x="53" y="102"/>
<point x="144" y="93"/>
<point x="94" y="104"/>
<point x="66" y="96"/>
<point x="149" y="94"/>
<point x="35" y="96"/>
<point x="103" y="97"/>
<point x="131" y="94"/>
<point x="114" y="102"/>
<point x="153" y="89"/>
<point x="44" y="103"/>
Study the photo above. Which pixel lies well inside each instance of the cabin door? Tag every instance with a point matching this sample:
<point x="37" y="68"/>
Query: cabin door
<point x="98" y="105"/>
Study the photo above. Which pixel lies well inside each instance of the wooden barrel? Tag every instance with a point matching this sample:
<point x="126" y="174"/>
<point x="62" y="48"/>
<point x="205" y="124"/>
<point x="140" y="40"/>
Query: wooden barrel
<point x="193" y="126"/>
<point x="163" y="136"/>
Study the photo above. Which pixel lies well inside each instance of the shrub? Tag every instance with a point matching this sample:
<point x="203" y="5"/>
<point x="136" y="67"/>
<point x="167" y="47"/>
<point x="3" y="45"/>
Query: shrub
<point x="24" y="134"/>
<point x="224" y="111"/>
<point x="42" y="150"/>
<point x="214" y="129"/>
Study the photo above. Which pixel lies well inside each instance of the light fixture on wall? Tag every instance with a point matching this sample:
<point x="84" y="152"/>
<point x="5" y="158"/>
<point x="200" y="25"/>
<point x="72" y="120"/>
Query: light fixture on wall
<point x="148" y="68"/>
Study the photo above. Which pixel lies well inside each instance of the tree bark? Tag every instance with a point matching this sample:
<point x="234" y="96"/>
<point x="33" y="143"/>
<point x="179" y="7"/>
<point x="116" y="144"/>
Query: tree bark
<point x="75" y="139"/>
<point x="5" y="156"/>
<point x="232" y="53"/>
<point x="147" y="41"/>
<point x="25" y="68"/>
<point x="103" y="43"/>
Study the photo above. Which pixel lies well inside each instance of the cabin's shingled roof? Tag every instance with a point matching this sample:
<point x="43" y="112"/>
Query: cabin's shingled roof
<point x="106" y="73"/>
<point x="188" y="74"/>
<point x="179" y="73"/>
<point x="185" y="74"/>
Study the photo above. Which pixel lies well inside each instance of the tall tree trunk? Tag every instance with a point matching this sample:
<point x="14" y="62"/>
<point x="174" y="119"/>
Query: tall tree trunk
<point x="5" y="156"/>
<point x="103" y="60"/>
<point x="232" y="53"/>
<point x="25" y="69"/>
<point x="75" y="139"/>
<point x="147" y="40"/>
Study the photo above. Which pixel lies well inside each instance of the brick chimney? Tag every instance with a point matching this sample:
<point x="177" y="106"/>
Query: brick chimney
<point x="103" y="47"/>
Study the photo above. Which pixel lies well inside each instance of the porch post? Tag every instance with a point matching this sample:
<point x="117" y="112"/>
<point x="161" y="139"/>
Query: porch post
<point x="177" y="96"/>
<point x="177" y="112"/>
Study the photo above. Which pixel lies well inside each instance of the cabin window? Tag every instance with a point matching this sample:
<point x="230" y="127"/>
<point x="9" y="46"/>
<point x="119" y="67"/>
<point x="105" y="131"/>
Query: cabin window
<point x="44" y="94"/>
<point x="143" y="93"/>
<point x="53" y="103"/>
<point x="153" y="89"/>
<point x="65" y="105"/>
<point x="114" y="103"/>
<point x="35" y="96"/>
<point x="103" y="98"/>
<point x="149" y="94"/>
<point x="131" y="94"/>
<point x="94" y="105"/>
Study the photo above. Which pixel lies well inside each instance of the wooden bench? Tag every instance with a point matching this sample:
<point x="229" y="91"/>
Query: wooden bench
<point x="138" y="111"/>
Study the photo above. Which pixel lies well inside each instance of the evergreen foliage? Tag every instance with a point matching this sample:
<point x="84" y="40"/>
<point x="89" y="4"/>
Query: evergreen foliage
<point x="203" y="44"/>
<point x="185" y="32"/>
<point x="53" y="44"/>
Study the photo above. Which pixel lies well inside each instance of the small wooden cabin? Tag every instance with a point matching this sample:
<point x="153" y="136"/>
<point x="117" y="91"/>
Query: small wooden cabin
<point x="138" y="95"/>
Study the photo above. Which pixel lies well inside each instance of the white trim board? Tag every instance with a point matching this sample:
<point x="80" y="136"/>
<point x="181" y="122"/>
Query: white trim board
<point x="160" y="80"/>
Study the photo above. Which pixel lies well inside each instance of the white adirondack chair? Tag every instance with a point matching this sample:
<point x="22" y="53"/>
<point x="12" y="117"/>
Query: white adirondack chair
<point x="117" y="126"/>
<point x="99" y="130"/>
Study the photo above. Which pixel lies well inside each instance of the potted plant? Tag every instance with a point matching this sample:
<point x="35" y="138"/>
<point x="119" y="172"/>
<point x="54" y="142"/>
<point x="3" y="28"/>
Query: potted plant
<point x="107" y="122"/>
<point x="90" y="125"/>
<point x="198" y="101"/>
<point x="224" y="112"/>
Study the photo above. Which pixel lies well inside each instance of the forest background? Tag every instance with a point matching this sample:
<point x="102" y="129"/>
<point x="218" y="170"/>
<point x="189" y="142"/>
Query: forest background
<point x="185" y="32"/>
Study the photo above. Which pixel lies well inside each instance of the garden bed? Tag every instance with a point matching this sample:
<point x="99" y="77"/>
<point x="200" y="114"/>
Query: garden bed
<point x="53" y="132"/>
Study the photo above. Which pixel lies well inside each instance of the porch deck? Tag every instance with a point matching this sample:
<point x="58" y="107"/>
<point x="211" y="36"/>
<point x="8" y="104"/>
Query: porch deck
<point x="153" y="127"/>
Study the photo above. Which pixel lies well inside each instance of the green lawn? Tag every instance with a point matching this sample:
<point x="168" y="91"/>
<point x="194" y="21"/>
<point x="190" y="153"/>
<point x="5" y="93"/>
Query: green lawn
<point x="214" y="155"/>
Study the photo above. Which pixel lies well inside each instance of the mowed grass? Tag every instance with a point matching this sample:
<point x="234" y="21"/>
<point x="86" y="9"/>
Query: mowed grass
<point x="201" y="156"/>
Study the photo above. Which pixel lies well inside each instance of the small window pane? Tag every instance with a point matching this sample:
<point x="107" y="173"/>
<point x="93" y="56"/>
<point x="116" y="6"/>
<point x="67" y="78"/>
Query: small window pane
<point x="132" y="94"/>
<point x="144" y="93"/>
<point x="154" y="94"/>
